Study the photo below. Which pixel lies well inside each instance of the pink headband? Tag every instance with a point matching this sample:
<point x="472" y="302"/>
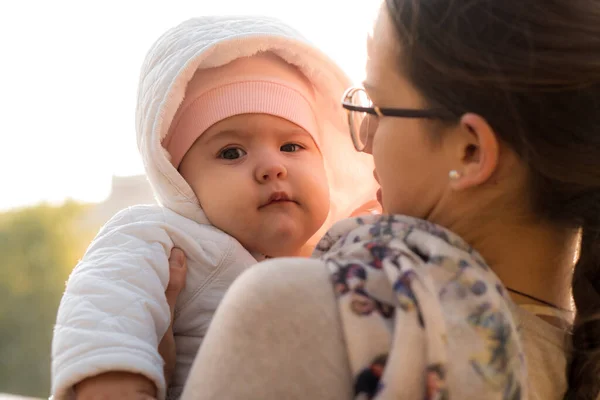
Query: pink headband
<point x="262" y="84"/>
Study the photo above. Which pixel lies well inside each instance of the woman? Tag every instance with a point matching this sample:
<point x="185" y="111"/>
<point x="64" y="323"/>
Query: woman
<point x="483" y="127"/>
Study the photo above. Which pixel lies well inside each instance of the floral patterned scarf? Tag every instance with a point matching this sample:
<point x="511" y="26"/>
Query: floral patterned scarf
<point x="423" y="315"/>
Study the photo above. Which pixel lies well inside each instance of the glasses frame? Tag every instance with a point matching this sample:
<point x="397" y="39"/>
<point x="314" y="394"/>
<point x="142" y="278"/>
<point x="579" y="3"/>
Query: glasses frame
<point x="431" y="113"/>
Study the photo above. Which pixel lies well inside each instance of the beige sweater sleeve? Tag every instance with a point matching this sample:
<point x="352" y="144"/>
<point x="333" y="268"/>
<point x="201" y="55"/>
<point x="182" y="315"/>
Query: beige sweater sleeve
<point x="277" y="335"/>
<point x="274" y="341"/>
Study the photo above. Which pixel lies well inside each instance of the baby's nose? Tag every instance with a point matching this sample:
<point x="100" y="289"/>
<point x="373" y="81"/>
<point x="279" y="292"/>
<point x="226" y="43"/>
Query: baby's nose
<point x="269" y="171"/>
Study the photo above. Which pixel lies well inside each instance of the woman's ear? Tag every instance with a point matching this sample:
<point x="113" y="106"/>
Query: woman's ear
<point x="478" y="150"/>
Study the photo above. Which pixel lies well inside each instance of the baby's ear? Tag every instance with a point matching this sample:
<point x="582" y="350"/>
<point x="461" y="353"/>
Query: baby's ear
<point x="372" y="207"/>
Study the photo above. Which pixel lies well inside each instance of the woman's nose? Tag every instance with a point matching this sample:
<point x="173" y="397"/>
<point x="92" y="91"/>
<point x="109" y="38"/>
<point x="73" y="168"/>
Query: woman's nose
<point x="369" y="146"/>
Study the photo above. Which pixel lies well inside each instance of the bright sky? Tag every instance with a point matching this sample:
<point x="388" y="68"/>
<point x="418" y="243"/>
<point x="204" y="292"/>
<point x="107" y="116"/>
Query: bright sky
<point x="69" y="73"/>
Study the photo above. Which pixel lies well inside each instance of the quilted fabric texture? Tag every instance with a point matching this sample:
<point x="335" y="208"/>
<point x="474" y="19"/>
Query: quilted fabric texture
<point x="113" y="312"/>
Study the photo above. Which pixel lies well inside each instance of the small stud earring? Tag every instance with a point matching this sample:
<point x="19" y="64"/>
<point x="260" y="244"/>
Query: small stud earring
<point x="454" y="175"/>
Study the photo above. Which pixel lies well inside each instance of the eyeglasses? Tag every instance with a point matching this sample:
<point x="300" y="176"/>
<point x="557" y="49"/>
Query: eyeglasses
<point x="363" y="116"/>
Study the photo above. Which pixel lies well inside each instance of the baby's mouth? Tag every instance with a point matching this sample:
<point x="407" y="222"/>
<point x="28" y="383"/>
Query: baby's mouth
<point x="278" y="197"/>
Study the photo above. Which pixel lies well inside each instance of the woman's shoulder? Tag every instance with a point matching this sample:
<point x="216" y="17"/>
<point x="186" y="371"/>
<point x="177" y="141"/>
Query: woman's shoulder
<point x="547" y="354"/>
<point x="278" y="310"/>
<point x="301" y="281"/>
<point x="295" y="295"/>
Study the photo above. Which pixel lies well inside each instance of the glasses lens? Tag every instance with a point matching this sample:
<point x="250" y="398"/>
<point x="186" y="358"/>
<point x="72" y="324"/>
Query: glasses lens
<point x="362" y="124"/>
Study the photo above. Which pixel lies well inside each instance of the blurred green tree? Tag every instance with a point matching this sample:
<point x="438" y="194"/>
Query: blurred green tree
<point x="39" y="246"/>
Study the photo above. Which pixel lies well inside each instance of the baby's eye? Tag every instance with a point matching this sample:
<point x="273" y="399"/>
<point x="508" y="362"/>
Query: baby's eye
<point x="291" y="147"/>
<point x="232" y="153"/>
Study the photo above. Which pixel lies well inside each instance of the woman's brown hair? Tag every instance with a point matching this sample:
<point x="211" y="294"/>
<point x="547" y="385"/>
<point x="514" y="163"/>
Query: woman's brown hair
<point x="531" y="68"/>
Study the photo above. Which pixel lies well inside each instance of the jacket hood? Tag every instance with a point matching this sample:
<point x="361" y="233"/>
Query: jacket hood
<point x="209" y="42"/>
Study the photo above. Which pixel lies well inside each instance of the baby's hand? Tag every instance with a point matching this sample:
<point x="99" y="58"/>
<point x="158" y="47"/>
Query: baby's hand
<point x="116" y="385"/>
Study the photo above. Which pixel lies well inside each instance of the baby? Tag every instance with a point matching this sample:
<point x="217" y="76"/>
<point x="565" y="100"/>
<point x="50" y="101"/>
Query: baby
<point x="247" y="153"/>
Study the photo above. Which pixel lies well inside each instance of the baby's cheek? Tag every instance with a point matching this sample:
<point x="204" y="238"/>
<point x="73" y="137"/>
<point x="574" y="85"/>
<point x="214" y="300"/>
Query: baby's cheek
<point x="214" y="194"/>
<point x="321" y="186"/>
<point x="322" y="201"/>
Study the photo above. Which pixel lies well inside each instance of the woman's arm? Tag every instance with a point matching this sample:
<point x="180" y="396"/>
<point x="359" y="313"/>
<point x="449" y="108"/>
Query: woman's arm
<point x="276" y="335"/>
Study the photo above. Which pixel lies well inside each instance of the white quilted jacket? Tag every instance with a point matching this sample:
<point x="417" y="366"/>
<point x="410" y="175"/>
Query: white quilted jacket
<point x="113" y="312"/>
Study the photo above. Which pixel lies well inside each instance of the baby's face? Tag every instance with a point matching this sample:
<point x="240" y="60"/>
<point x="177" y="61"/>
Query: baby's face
<point x="261" y="179"/>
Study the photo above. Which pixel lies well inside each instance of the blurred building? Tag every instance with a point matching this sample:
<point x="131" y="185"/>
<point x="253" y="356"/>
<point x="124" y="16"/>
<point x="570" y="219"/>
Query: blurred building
<point x="4" y="396"/>
<point x="125" y="191"/>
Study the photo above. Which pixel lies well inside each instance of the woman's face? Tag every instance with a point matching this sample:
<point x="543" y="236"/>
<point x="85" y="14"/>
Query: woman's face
<point x="411" y="166"/>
